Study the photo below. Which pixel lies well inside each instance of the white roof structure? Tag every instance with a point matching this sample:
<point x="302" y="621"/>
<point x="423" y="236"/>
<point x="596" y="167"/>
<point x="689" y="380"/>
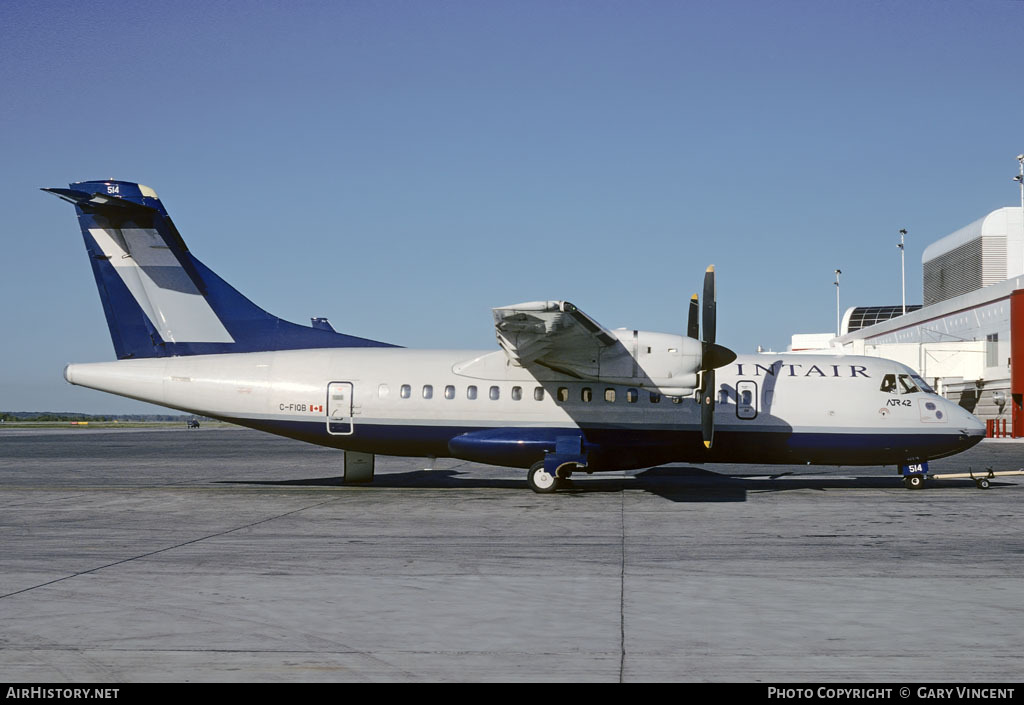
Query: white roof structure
<point x="986" y="252"/>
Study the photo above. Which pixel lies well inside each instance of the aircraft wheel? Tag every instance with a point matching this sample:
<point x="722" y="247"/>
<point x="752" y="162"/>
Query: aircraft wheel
<point x="914" y="482"/>
<point x="982" y="483"/>
<point x="540" y="480"/>
<point x="564" y="471"/>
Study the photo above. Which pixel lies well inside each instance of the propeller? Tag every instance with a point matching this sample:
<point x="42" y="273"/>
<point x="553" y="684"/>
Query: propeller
<point x="693" y="322"/>
<point x="712" y="356"/>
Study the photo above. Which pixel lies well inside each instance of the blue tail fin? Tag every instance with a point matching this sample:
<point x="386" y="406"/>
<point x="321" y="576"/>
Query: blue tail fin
<point x="161" y="301"/>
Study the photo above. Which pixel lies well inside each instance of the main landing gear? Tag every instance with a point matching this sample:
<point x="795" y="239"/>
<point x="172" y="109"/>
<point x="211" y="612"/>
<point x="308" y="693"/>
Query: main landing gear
<point x="544" y="482"/>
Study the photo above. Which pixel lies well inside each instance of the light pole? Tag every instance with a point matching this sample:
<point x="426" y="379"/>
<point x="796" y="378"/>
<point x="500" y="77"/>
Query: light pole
<point x="903" y="270"/>
<point x="1020" y="180"/>
<point x="838" y="329"/>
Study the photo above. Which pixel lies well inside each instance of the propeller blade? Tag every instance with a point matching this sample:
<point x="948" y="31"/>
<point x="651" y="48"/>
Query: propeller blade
<point x="707" y="408"/>
<point x="692" y="322"/>
<point x="712" y="356"/>
<point x="709" y="305"/>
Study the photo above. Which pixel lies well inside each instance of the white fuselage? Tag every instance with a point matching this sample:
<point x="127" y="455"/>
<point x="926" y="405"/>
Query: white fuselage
<point x="775" y="407"/>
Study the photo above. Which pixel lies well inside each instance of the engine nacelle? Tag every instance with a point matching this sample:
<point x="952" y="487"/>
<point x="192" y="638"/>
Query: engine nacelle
<point x="664" y="361"/>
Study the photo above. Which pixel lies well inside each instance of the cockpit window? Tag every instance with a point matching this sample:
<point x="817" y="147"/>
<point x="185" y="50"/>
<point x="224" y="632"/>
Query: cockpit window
<point x="902" y="384"/>
<point x="907" y="385"/>
<point x="889" y="384"/>
<point x="924" y="386"/>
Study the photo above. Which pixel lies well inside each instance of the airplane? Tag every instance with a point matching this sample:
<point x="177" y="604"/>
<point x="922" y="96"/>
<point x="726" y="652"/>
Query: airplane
<point x="561" y="394"/>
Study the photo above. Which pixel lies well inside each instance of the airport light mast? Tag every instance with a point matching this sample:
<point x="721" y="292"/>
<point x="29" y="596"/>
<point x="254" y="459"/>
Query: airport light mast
<point x="1020" y="180"/>
<point x="838" y="324"/>
<point x="903" y="270"/>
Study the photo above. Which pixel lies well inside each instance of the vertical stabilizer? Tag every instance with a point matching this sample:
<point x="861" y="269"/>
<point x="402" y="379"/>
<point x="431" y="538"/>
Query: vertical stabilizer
<point x="159" y="300"/>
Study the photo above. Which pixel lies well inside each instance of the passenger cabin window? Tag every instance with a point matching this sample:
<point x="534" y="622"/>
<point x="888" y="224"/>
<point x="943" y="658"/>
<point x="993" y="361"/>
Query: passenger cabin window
<point x="494" y="393"/>
<point x="655" y="398"/>
<point x="586" y="394"/>
<point x="517" y="393"/>
<point x="449" y="392"/>
<point x="538" y="393"/>
<point x="406" y="391"/>
<point x="428" y="391"/>
<point x="471" y="391"/>
<point x="631" y="396"/>
<point x="563" y="394"/>
<point x="609" y="395"/>
<point x="382" y="391"/>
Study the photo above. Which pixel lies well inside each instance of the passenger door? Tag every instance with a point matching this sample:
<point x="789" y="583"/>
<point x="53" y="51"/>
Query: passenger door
<point x="339" y="408"/>
<point x="746" y="399"/>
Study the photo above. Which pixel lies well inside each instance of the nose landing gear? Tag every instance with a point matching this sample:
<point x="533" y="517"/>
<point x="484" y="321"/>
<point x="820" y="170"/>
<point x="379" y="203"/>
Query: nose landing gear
<point x="982" y="480"/>
<point x="914" y="482"/>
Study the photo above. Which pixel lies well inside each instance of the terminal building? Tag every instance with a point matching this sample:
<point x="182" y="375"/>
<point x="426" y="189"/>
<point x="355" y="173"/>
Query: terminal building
<point x="967" y="339"/>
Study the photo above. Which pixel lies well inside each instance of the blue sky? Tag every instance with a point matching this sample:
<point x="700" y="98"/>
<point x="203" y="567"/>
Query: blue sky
<point x="402" y="167"/>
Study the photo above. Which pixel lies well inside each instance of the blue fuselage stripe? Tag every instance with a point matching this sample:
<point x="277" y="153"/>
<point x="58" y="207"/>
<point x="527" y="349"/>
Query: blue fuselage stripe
<point x="621" y="448"/>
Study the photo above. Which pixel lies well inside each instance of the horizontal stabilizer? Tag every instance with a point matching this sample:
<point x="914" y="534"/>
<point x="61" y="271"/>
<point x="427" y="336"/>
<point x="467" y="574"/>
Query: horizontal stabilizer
<point x="97" y="201"/>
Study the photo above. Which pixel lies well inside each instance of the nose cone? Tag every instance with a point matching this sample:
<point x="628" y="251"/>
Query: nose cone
<point x="972" y="429"/>
<point x="971" y="424"/>
<point x="960" y="429"/>
<point x="69" y="373"/>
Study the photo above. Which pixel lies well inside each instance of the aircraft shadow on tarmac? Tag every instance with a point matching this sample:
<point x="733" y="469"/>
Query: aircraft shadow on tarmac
<point x="672" y="482"/>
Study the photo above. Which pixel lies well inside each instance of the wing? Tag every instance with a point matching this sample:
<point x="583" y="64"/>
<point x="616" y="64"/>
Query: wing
<point x="554" y="334"/>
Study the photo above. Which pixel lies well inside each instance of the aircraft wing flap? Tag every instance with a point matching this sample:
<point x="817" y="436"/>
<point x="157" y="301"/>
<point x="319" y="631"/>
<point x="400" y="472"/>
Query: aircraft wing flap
<point x="554" y="334"/>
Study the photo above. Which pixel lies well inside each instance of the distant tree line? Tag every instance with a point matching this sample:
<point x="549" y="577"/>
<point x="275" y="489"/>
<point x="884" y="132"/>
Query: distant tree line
<point x="6" y="416"/>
